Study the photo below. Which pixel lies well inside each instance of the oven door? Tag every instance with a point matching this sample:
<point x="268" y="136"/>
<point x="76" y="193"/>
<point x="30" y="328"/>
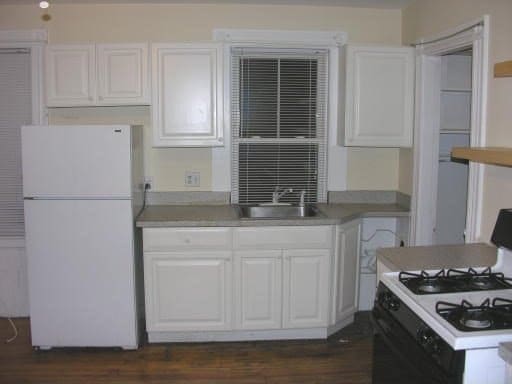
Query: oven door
<point x="397" y="356"/>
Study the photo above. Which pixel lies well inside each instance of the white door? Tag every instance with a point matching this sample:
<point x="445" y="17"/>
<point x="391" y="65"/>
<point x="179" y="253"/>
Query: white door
<point x="122" y="74"/>
<point x="70" y="75"/>
<point x="81" y="272"/>
<point x="76" y="161"/>
<point x="305" y="288"/>
<point x="188" y="290"/>
<point x="347" y="271"/>
<point x="259" y="289"/>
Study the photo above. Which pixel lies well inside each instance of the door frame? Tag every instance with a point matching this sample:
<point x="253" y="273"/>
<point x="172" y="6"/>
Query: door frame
<point x="474" y="35"/>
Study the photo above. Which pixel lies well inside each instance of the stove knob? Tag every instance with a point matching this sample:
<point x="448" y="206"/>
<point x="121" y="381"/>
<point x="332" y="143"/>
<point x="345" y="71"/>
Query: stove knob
<point x="389" y="301"/>
<point x="429" y="340"/>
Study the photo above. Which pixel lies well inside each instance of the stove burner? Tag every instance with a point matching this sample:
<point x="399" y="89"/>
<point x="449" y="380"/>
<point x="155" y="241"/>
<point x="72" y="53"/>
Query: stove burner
<point x="467" y="317"/>
<point x="454" y="280"/>
<point x="481" y="283"/>
<point x="477" y="319"/>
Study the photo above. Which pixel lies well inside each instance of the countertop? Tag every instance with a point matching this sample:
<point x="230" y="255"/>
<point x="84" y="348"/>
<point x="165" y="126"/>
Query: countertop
<point x="437" y="257"/>
<point x="227" y="216"/>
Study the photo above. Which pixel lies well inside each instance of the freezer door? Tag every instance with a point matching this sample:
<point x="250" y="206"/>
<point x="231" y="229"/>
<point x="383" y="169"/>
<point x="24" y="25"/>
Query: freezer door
<point x="81" y="273"/>
<point x="76" y="161"/>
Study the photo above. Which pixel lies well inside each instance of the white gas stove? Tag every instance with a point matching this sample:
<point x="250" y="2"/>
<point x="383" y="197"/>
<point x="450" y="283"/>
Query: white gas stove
<point x="445" y="326"/>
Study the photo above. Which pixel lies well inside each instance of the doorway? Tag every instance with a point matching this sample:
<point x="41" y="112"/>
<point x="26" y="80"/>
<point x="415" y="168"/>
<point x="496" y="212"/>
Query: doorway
<point x="451" y="84"/>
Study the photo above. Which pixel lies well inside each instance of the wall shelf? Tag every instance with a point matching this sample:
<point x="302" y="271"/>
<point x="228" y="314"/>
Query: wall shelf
<point x="487" y="155"/>
<point x="503" y="69"/>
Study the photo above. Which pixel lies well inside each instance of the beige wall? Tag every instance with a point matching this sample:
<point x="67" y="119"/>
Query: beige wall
<point x="367" y="168"/>
<point x="427" y="18"/>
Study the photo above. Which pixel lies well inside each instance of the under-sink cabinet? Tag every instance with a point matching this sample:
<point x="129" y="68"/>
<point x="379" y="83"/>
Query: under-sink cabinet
<point x="248" y="283"/>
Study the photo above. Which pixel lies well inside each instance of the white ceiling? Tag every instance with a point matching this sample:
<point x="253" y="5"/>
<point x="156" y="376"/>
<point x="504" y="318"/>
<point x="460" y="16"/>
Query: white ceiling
<point x="390" y="4"/>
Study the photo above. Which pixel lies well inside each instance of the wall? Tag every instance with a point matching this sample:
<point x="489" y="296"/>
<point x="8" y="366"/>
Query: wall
<point x="427" y="18"/>
<point x="367" y="168"/>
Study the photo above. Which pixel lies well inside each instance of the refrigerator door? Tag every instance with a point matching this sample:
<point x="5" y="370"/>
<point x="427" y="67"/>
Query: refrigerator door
<point x="81" y="273"/>
<point x="76" y="161"/>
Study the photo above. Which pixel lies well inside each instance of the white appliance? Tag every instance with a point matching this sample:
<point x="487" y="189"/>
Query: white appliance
<point x="82" y="187"/>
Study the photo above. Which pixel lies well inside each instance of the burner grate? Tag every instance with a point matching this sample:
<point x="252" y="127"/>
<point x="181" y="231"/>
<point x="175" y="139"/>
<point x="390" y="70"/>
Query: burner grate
<point x="467" y="317"/>
<point x="454" y="280"/>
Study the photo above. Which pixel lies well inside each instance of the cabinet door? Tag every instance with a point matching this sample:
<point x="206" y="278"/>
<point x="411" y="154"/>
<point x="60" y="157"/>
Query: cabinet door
<point x="187" y="95"/>
<point x="346" y="270"/>
<point x="259" y="289"/>
<point x="188" y="291"/>
<point x="379" y="96"/>
<point x="70" y="75"/>
<point x="122" y="74"/>
<point x="305" y="288"/>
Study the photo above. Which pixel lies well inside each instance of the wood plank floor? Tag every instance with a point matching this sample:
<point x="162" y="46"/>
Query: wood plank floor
<point x="345" y="357"/>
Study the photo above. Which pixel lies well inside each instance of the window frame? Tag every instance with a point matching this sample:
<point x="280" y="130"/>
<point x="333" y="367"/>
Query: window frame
<point x="320" y="138"/>
<point x="333" y="41"/>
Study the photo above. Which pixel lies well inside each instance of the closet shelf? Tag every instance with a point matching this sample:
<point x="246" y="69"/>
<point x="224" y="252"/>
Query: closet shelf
<point x="487" y="155"/>
<point x="503" y="69"/>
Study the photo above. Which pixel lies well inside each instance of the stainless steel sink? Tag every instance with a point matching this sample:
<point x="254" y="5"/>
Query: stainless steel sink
<point x="277" y="211"/>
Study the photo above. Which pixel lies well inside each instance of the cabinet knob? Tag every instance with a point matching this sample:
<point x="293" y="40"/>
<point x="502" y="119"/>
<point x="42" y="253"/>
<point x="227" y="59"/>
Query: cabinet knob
<point x="91" y="98"/>
<point x="100" y="97"/>
<point x="187" y="241"/>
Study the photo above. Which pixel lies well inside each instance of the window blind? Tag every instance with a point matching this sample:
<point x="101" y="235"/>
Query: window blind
<point x="15" y="111"/>
<point x="279" y="124"/>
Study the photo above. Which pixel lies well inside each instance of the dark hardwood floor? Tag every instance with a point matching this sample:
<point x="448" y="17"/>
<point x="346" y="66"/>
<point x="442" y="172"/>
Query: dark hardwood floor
<point x="345" y="357"/>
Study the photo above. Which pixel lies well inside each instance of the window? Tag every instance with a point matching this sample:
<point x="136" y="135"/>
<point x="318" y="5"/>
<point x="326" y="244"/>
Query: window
<point x="15" y="111"/>
<point x="278" y="123"/>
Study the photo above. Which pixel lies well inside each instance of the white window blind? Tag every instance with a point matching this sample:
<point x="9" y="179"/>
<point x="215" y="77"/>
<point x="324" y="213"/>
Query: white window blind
<point x="15" y="111"/>
<point x="278" y="123"/>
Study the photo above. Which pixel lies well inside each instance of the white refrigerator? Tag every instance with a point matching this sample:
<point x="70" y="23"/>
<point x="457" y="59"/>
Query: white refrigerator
<point x="82" y="188"/>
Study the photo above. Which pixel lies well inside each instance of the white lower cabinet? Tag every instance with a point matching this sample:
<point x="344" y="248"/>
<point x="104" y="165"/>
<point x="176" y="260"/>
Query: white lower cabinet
<point x="305" y="288"/>
<point x="188" y="290"/>
<point x="259" y="289"/>
<point x="207" y="284"/>
<point x="346" y="271"/>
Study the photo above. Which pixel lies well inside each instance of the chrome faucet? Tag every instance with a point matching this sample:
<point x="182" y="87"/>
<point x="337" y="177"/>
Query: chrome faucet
<point x="302" y="198"/>
<point x="276" y="195"/>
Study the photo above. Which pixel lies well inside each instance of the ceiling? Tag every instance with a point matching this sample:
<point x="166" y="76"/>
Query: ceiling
<point x="389" y="4"/>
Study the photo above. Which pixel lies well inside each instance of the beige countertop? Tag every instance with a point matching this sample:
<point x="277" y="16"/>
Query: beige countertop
<point x="437" y="257"/>
<point x="227" y="215"/>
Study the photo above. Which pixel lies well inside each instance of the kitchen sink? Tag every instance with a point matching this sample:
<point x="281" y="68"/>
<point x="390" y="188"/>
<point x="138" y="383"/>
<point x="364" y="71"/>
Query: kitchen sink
<point x="277" y="211"/>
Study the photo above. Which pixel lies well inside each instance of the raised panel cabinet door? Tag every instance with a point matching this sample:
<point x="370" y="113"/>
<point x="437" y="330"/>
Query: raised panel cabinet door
<point x="187" y="291"/>
<point x="346" y="270"/>
<point x="187" y="95"/>
<point x="259" y="289"/>
<point x="70" y="75"/>
<point x="379" y="98"/>
<point x="123" y="74"/>
<point x="305" y="288"/>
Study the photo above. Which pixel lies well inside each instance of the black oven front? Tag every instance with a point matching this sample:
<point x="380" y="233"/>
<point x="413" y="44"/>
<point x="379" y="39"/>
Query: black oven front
<point x="406" y="350"/>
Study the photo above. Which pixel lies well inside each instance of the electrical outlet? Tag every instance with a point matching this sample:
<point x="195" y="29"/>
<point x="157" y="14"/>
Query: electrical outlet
<point x="148" y="180"/>
<point x="192" y="179"/>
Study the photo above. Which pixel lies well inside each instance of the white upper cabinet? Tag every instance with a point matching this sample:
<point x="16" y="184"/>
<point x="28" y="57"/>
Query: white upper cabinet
<point x="70" y="75"/>
<point x="103" y="74"/>
<point x="187" y="95"/>
<point x="379" y="98"/>
<point x="123" y="74"/>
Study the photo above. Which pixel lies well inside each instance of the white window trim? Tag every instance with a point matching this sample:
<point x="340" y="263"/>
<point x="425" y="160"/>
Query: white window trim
<point x="331" y="40"/>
